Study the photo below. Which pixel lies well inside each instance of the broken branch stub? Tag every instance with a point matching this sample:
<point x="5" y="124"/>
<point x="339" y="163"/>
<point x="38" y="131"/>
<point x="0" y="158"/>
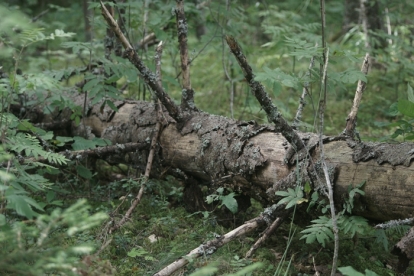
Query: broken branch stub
<point x="187" y="99"/>
<point x="352" y="117"/>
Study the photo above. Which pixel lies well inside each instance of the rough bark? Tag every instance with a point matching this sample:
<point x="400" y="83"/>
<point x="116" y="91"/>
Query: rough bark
<point x="404" y="250"/>
<point x="250" y="158"/>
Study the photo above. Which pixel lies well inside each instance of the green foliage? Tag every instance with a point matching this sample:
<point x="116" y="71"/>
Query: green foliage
<point x="291" y="197"/>
<point x="405" y="128"/>
<point x="227" y="200"/>
<point x="140" y="253"/>
<point x="36" y="247"/>
<point x="350" y="271"/>
<point x="320" y="230"/>
<point x="80" y="143"/>
<point x="288" y="33"/>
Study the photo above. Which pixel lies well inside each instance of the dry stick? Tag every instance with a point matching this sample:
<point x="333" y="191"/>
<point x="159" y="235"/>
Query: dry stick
<point x="322" y="106"/>
<point x="211" y="246"/>
<point x="99" y="152"/>
<point x="364" y="19"/>
<point x="229" y="78"/>
<point x="302" y="101"/>
<point x="387" y="17"/>
<point x="269" y="230"/>
<point x="149" y="77"/>
<point x="352" y="117"/>
<point x="146" y="176"/>
<point x="187" y="97"/>
<point x="226" y="73"/>
<point x="273" y="115"/>
<point x="150" y="155"/>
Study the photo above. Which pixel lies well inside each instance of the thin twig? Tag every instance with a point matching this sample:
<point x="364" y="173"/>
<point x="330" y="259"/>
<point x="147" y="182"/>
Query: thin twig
<point x="34" y="19"/>
<point x="152" y="149"/>
<point x="364" y="19"/>
<point x="305" y="91"/>
<point x="211" y="246"/>
<point x="322" y="106"/>
<point x="226" y="73"/>
<point x="269" y="230"/>
<point x="352" y="117"/>
<point x="394" y="223"/>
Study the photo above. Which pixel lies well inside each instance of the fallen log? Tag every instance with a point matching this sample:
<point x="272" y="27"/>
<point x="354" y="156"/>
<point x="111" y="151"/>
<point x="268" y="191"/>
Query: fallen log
<point x="251" y="159"/>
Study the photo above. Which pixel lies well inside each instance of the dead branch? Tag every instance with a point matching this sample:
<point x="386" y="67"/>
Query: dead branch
<point x="187" y="98"/>
<point x="152" y="149"/>
<point x="322" y="106"/>
<point x="211" y="246"/>
<point x="269" y="230"/>
<point x="281" y="125"/>
<point x="352" y="117"/>
<point x="99" y="152"/>
<point x="149" y="77"/>
<point x="302" y="101"/>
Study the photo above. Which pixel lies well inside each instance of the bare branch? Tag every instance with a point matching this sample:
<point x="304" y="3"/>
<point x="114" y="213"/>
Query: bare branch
<point x="269" y="230"/>
<point x="364" y="19"/>
<point x="187" y="98"/>
<point x="149" y="77"/>
<point x="352" y="117"/>
<point x="152" y="149"/>
<point x="211" y="246"/>
<point x="302" y="101"/>
<point x="259" y="92"/>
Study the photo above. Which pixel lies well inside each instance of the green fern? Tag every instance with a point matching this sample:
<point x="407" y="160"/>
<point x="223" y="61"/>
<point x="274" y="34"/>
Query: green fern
<point x="320" y="230"/>
<point x="24" y="143"/>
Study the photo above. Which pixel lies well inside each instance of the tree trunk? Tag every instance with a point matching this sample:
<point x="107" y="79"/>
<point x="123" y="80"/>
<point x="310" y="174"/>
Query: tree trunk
<point x="250" y="158"/>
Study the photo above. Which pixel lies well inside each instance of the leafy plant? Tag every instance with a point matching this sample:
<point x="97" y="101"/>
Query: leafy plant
<point x="291" y="197"/>
<point x="227" y="200"/>
<point x="350" y="271"/>
<point x="321" y="229"/>
<point x="36" y="247"/>
<point x="405" y="128"/>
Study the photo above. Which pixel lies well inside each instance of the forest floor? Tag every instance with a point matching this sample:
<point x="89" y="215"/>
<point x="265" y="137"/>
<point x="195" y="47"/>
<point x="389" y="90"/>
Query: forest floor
<point x="161" y="230"/>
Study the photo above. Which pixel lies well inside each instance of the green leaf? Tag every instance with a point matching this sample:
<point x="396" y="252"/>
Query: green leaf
<point x="352" y="76"/>
<point x="393" y="110"/>
<point x="410" y="93"/>
<point x="230" y="202"/>
<point x="406" y="107"/>
<point x="91" y="83"/>
<point x="50" y="196"/>
<point x="84" y="172"/>
<point x="205" y="271"/>
<point x="81" y="143"/>
<point x="381" y="238"/>
<point x="111" y="105"/>
<point x="307" y="188"/>
<point x="350" y="271"/>
<point x="21" y="204"/>
<point x="211" y="198"/>
<point x="370" y="273"/>
<point x="282" y="193"/>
